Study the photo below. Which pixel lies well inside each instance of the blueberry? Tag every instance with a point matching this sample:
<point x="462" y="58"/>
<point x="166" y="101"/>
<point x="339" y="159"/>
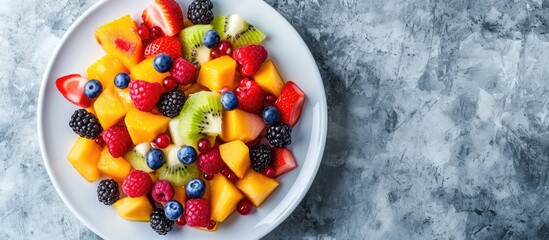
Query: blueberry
<point x="122" y="80"/>
<point x="155" y="159"/>
<point x="271" y="115"/>
<point x="229" y="100"/>
<point x="173" y="210"/>
<point x="186" y="155"/>
<point x="93" y="88"/>
<point x="195" y="188"/>
<point x="162" y="63"/>
<point x="210" y="39"/>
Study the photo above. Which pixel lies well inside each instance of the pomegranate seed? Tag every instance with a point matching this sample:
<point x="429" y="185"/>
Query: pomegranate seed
<point x="269" y="172"/>
<point x="211" y="225"/>
<point x="231" y="177"/>
<point x="99" y="140"/>
<point x="169" y="84"/>
<point x="143" y="32"/>
<point x="162" y="140"/>
<point x="156" y="32"/>
<point x="270" y="98"/>
<point x="203" y="145"/>
<point x="208" y="176"/>
<point x="221" y="49"/>
<point x="181" y="221"/>
<point x="225" y="171"/>
<point x="244" y="207"/>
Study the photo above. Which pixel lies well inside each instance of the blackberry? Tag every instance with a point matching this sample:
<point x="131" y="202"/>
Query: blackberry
<point x="279" y="135"/>
<point x="171" y="103"/>
<point x="200" y="12"/>
<point x="85" y="124"/>
<point x="107" y="191"/>
<point x="160" y="223"/>
<point x="261" y="156"/>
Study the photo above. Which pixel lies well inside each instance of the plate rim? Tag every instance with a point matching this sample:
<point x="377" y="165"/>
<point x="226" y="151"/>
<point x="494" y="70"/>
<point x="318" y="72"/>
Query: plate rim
<point x="40" y="106"/>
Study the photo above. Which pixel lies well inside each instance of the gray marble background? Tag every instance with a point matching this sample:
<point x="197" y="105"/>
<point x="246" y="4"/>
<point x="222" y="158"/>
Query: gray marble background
<point x="438" y="119"/>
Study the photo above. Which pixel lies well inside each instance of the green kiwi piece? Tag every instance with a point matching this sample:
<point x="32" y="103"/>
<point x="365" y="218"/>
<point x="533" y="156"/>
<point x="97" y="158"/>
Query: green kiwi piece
<point x="237" y="31"/>
<point x="136" y="156"/>
<point x="200" y="117"/>
<point x="177" y="173"/>
<point x="194" y="50"/>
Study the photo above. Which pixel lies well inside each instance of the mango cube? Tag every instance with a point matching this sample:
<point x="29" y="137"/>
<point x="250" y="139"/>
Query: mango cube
<point x="119" y="38"/>
<point x="145" y="126"/>
<point x="241" y="125"/>
<point x="134" y="209"/>
<point x="269" y="78"/>
<point x="109" y="108"/>
<point x="105" y="69"/>
<point x="218" y="73"/>
<point x="115" y="168"/>
<point x="224" y="197"/>
<point x="256" y="186"/>
<point x="145" y="71"/>
<point x="236" y="156"/>
<point x="84" y="156"/>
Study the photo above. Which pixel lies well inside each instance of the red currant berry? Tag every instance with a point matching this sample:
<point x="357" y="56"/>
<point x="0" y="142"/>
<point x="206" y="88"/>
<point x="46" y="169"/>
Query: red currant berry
<point x="143" y="32"/>
<point x="270" y="98"/>
<point x="221" y="49"/>
<point x="143" y="24"/>
<point x="181" y="221"/>
<point x="162" y="140"/>
<point x="225" y="171"/>
<point x="99" y="140"/>
<point x="203" y="145"/>
<point x="244" y="207"/>
<point x="208" y="176"/>
<point x="269" y="172"/>
<point x="169" y="84"/>
<point x="156" y="32"/>
<point x="231" y="177"/>
<point x="211" y="225"/>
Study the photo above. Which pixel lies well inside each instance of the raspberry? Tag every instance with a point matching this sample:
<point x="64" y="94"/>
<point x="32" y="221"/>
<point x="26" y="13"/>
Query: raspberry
<point x="250" y="58"/>
<point x="85" y="124"/>
<point x="250" y="96"/>
<point x="118" y="140"/>
<point x="197" y="212"/>
<point x="183" y="71"/>
<point x="162" y="191"/>
<point x="144" y="94"/>
<point x="137" y="184"/>
<point x="210" y="162"/>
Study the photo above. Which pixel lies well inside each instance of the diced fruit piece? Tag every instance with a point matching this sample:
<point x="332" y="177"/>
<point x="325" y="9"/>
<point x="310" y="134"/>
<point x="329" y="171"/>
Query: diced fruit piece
<point x="236" y="156"/>
<point x="84" y="156"/>
<point x="115" y="168"/>
<point x="167" y="45"/>
<point x="239" y="32"/>
<point x="200" y="117"/>
<point x="269" y="78"/>
<point x="196" y="87"/>
<point x="256" y="186"/>
<point x="241" y="125"/>
<point x="134" y="209"/>
<point x="224" y="197"/>
<point x="290" y="103"/>
<point x="136" y="156"/>
<point x="109" y="108"/>
<point x="174" y="171"/>
<point x="250" y="58"/>
<point x="105" y="70"/>
<point x="179" y="194"/>
<point x="250" y="96"/>
<point x="145" y="126"/>
<point x="120" y="39"/>
<point x="165" y="14"/>
<point x="145" y="71"/>
<point x="217" y="74"/>
<point x="173" y="126"/>
<point x="283" y="161"/>
<point x="125" y="98"/>
<point x="72" y="88"/>
<point x="194" y="50"/>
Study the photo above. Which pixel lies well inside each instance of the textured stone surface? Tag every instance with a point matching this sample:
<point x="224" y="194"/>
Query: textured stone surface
<point x="438" y="119"/>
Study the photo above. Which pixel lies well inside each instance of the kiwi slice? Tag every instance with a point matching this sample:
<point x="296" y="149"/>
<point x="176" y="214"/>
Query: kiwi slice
<point x="177" y="173"/>
<point x="237" y="31"/>
<point x="200" y="117"/>
<point x="136" y="156"/>
<point x="194" y="50"/>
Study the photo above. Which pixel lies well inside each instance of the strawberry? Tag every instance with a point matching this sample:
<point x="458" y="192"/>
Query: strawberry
<point x="165" y="14"/>
<point x="250" y="96"/>
<point x="167" y="45"/>
<point x="283" y="161"/>
<point x="197" y="212"/>
<point x="118" y="140"/>
<point x="72" y="88"/>
<point x="144" y="94"/>
<point x="183" y="71"/>
<point x="250" y="58"/>
<point x="290" y="103"/>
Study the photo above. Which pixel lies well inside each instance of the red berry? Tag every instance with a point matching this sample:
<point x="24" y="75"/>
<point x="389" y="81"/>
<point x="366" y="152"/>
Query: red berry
<point x="210" y="162"/>
<point x="162" y="191"/>
<point x="270" y="98"/>
<point x="183" y="71"/>
<point x="231" y="177"/>
<point x="169" y="84"/>
<point x="208" y="176"/>
<point x="137" y="184"/>
<point x="203" y="145"/>
<point x="250" y="96"/>
<point x="143" y="32"/>
<point x="211" y="224"/>
<point x="144" y="94"/>
<point x="290" y="103"/>
<point x="162" y="140"/>
<point x="156" y="32"/>
<point x="269" y="172"/>
<point x="197" y="212"/>
<point x="118" y="140"/>
<point x="99" y="140"/>
<point x="167" y="45"/>
<point x="223" y="90"/>
<point x="181" y="221"/>
<point x="244" y="207"/>
<point x="72" y="88"/>
<point x="225" y="171"/>
<point x="221" y="49"/>
<point x="250" y="58"/>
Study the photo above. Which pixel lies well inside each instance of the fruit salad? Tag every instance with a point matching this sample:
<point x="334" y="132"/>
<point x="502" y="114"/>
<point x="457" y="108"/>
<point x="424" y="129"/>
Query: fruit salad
<point x="184" y="120"/>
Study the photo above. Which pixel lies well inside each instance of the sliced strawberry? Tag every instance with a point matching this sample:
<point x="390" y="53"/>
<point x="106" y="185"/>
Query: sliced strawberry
<point x="165" y="14"/>
<point x="290" y="103"/>
<point x="283" y="161"/>
<point x="167" y="45"/>
<point x="72" y="88"/>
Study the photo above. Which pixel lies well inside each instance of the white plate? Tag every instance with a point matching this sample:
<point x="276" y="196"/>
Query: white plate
<point x="78" y="49"/>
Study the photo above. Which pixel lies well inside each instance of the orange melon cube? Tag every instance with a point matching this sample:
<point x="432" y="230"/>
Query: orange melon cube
<point x="217" y="74"/>
<point x="196" y="87"/>
<point x="236" y="156"/>
<point x="134" y="209"/>
<point x="125" y="97"/>
<point x="105" y="69"/>
<point x="145" y="71"/>
<point x="145" y="126"/>
<point x="269" y="78"/>
<point x="84" y="156"/>
<point x="256" y="186"/>
<point x="109" y="108"/>
<point x="241" y="125"/>
<point x="115" y="168"/>
<point x="224" y="197"/>
<point x="120" y="39"/>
